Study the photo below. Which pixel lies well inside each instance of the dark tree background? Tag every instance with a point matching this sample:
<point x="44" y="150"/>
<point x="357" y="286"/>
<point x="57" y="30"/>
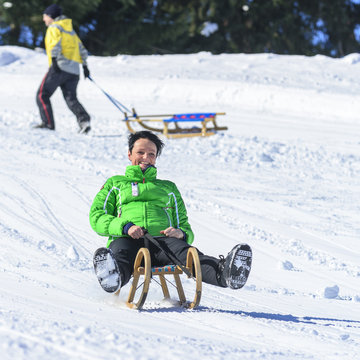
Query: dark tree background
<point x="110" y="27"/>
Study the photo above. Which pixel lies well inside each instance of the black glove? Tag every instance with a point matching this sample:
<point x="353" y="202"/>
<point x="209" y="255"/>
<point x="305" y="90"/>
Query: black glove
<point x="86" y="71"/>
<point x="55" y="65"/>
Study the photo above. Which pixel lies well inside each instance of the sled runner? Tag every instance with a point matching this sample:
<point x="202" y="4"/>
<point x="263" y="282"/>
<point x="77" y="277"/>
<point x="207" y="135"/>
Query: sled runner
<point x="169" y="125"/>
<point x="142" y="268"/>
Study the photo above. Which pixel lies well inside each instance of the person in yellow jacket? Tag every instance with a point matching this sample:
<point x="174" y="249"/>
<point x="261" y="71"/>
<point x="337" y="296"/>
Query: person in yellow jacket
<point x="65" y="52"/>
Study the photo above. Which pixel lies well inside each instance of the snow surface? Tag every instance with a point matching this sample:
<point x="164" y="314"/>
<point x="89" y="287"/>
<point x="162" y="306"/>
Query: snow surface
<point x="284" y="178"/>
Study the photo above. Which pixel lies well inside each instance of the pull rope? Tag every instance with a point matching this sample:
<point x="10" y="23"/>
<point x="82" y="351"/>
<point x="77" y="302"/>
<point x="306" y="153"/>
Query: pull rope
<point x="171" y="257"/>
<point x="117" y="103"/>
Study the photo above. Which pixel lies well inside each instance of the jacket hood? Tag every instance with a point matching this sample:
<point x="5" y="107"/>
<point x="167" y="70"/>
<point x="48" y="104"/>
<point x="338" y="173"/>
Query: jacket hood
<point x="64" y="22"/>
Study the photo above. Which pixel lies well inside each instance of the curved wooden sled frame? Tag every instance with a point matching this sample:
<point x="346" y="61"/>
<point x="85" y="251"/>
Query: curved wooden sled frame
<point x="143" y="254"/>
<point x="177" y="132"/>
<point x="142" y="266"/>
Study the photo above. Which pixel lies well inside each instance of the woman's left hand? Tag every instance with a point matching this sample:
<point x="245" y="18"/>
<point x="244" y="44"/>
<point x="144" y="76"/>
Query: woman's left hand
<point x="172" y="232"/>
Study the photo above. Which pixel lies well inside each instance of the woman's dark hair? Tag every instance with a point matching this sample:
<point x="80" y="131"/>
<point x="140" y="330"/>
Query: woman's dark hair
<point x="145" y="135"/>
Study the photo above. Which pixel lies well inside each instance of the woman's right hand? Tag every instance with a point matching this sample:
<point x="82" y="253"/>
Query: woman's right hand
<point x="136" y="232"/>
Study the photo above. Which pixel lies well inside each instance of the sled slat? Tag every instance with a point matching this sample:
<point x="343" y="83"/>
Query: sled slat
<point x="168" y="269"/>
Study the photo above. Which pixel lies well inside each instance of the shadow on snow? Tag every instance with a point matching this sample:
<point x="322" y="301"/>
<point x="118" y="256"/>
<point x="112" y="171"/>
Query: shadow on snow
<point x="262" y="315"/>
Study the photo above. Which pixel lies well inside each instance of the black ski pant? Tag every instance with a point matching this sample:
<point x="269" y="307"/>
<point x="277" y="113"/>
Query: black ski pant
<point x="68" y="84"/>
<point x="126" y="249"/>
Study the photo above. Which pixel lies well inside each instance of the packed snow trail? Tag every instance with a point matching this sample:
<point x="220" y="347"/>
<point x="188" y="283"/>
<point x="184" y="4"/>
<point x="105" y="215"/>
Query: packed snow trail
<point x="284" y="178"/>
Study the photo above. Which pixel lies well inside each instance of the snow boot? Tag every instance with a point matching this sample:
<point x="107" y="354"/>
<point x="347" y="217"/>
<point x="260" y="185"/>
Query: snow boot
<point x="107" y="270"/>
<point x="84" y="127"/>
<point x="234" y="270"/>
<point x="42" y="126"/>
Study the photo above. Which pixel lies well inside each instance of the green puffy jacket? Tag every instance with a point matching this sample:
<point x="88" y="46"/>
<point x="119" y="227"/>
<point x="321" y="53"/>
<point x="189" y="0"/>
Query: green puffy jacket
<point x="139" y="198"/>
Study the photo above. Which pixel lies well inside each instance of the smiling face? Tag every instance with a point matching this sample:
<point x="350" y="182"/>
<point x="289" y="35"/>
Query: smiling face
<point x="143" y="153"/>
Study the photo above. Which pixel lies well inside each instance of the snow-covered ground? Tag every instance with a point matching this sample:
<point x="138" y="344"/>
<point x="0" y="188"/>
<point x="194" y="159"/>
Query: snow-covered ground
<point x="284" y="178"/>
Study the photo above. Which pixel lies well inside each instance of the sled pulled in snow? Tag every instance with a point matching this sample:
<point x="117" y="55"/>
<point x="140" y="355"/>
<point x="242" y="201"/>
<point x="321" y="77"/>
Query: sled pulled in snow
<point x="170" y="124"/>
<point x="144" y="271"/>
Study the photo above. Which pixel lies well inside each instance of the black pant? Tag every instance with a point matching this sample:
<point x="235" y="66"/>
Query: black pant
<point x="126" y="249"/>
<point x="68" y="84"/>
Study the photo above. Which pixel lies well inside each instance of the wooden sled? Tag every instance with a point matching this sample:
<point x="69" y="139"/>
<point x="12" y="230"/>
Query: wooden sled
<point x="170" y="124"/>
<point x="142" y="267"/>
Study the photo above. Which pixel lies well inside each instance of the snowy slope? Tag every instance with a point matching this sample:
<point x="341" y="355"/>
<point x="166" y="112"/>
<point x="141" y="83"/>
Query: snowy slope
<point x="284" y="178"/>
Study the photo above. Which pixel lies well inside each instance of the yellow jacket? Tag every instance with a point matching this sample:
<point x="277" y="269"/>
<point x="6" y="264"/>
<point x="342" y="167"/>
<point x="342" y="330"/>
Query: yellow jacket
<point x="62" y="43"/>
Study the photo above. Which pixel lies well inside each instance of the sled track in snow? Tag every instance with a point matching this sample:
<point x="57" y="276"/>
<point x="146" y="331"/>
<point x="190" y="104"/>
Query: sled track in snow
<point x="46" y="212"/>
<point x="224" y="208"/>
<point x="80" y="193"/>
